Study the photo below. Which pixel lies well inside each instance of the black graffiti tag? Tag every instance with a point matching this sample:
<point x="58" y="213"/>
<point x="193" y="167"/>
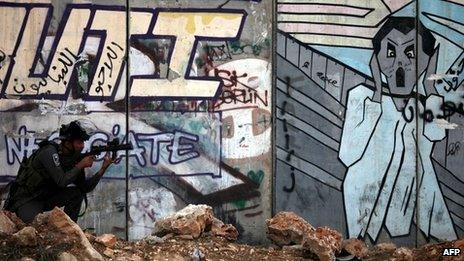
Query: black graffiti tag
<point x="66" y="60"/>
<point x="243" y="96"/>
<point x="447" y="109"/>
<point x="292" y="187"/>
<point x="409" y="118"/>
<point x="108" y="65"/>
<point x="66" y="64"/>
<point x="218" y="52"/>
<point x="326" y="79"/>
<point x="453" y="148"/>
<point x="454" y="83"/>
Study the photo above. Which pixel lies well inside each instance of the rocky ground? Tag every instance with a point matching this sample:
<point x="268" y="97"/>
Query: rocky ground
<point x="194" y="234"/>
<point x="212" y="248"/>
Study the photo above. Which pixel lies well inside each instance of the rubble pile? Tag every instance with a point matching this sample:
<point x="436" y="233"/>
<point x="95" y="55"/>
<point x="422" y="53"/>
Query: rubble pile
<point x="355" y="247"/>
<point x="287" y="228"/>
<point x="289" y="231"/>
<point x="51" y="232"/>
<point x="193" y="233"/>
<point x="324" y="242"/>
<point x="54" y="236"/>
<point x="10" y="223"/>
<point x="192" y="221"/>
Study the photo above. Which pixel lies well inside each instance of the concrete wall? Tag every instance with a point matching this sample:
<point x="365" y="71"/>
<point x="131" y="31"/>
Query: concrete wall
<point x="369" y="142"/>
<point x="360" y="145"/>
<point x="195" y="103"/>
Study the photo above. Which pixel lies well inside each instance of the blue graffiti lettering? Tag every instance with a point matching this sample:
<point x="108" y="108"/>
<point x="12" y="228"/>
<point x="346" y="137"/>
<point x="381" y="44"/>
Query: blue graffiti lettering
<point x="175" y="147"/>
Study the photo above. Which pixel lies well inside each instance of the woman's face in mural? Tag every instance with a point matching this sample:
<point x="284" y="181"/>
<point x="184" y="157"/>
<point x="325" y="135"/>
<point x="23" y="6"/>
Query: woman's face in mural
<point x="397" y="60"/>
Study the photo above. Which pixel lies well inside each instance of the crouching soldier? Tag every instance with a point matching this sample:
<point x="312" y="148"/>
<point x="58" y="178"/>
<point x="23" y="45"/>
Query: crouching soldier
<point x="53" y="176"/>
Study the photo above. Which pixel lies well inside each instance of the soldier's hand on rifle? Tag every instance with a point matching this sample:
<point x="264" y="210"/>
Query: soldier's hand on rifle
<point x="85" y="162"/>
<point x="107" y="161"/>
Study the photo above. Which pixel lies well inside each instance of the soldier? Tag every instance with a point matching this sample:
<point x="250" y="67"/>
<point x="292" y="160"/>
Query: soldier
<point x="54" y="176"/>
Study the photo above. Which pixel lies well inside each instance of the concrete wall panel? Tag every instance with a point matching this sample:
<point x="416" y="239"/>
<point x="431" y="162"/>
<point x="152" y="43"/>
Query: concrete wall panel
<point x="347" y="132"/>
<point x="195" y="103"/>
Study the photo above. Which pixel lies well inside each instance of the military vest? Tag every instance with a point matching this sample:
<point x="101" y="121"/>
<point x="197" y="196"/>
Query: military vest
<point x="30" y="181"/>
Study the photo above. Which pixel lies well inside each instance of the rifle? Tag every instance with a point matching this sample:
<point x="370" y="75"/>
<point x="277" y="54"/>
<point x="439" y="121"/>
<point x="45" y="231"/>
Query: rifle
<point x="113" y="146"/>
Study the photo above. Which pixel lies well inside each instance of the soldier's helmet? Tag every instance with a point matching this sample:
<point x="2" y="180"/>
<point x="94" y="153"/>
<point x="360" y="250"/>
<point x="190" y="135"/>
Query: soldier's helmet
<point x="73" y="131"/>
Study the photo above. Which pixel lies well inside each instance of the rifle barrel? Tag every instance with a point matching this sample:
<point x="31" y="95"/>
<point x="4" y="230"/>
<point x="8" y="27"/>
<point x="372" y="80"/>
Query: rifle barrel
<point x="113" y="148"/>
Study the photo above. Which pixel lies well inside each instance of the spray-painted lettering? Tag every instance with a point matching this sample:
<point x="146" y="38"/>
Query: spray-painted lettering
<point x="176" y="146"/>
<point x="18" y="76"/>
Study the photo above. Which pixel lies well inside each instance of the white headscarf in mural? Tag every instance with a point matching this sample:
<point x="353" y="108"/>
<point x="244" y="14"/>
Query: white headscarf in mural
<point x="388" y="154"/>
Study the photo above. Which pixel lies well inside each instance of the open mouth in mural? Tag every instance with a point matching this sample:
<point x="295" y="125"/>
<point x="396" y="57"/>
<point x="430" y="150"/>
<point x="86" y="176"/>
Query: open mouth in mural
<point x="400" y="77"/>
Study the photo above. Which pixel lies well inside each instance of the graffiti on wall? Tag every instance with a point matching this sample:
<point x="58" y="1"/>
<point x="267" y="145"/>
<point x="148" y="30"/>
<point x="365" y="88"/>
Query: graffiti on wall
<point x="179" y="151"/>
<point x="185" y="83"/>
<point x="247" y="134"/>
<point x="20" y="77"/>
<point x="380" y="134"/>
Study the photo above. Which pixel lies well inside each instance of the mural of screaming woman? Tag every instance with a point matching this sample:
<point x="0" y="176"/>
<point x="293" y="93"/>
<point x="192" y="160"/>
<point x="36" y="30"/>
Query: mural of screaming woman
<point x="379" y="146"/>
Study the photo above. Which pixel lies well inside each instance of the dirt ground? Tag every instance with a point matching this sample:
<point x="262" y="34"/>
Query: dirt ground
<point x="213" y="248"/>
<point x="178" y="248"/>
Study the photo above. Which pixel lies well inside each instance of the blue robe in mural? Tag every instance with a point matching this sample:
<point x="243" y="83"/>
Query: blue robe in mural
<point x="379" y="147"/>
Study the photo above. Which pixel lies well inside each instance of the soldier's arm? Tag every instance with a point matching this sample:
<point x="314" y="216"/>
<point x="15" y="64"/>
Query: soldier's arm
<point x="87" y="185"/>
<point x="50" y="160"/>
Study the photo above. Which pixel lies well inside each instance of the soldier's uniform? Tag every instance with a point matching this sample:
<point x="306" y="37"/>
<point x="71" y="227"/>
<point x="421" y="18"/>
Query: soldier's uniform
<point x="47" y="179"/>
